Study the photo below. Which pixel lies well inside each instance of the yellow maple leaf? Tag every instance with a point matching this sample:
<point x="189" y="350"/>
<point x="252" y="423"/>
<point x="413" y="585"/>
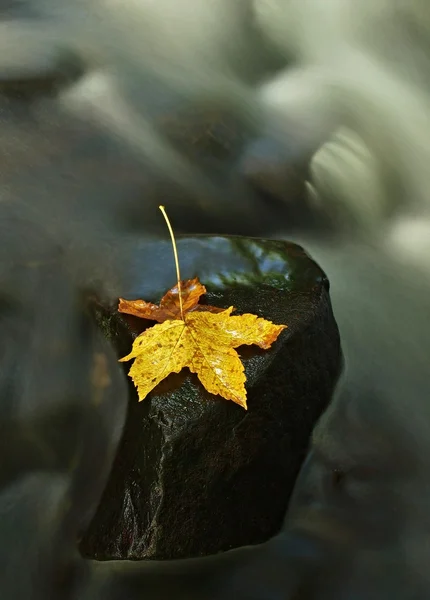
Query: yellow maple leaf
<point x="203" y="340"/>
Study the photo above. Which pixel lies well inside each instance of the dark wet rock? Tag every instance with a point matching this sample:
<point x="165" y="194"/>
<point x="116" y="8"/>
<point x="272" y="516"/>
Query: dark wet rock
<point x="195" y="474"/>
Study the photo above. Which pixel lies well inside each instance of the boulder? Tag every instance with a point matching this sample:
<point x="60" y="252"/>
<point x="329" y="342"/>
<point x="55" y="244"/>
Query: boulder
<point x="195" y="474"/>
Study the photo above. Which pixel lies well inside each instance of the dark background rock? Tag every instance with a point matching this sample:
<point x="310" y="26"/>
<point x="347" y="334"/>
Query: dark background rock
<point x="195" y="474"/>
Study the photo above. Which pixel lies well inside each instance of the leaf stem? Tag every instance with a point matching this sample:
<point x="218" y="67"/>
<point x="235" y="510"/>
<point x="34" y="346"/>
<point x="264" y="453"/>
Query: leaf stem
<point x="175" y="254"/>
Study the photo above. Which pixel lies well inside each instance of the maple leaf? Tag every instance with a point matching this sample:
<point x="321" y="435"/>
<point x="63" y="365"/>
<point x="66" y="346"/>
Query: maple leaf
<point x="204" y="340"/>
<point x="169" y="307"/>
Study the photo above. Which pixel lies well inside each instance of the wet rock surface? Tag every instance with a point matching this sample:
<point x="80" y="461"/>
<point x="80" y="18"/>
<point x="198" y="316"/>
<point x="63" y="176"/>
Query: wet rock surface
<point x="195" y="474"/>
